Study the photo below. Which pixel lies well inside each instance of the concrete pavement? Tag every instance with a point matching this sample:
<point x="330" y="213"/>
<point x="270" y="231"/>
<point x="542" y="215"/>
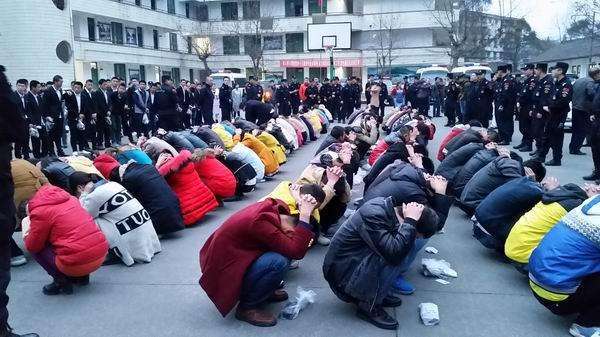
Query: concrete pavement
<point x="489" y="298"/>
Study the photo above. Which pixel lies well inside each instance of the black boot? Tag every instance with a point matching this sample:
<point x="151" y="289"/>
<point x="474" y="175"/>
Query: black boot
<point x="534" y="153"/>
<point x="592" y="177"/>
<point x="525" y="148"/>
<point x="553" y="162"/>
<point x="376" y="316"/>
<point x="58" y="286"/>
<point x="80" y="280"/>
<point x="518" y="147"/>
<point x="392" y="300"/>
<point x="8" y="332"/>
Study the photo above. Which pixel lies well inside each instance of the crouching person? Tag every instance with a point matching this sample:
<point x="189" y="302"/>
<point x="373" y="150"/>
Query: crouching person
<point x="365" y="255"/>
<point x="564" y="270"/>
<point x="63" y="238"/>
<point x="247" y="257"/>
<point x="123" y="220"/>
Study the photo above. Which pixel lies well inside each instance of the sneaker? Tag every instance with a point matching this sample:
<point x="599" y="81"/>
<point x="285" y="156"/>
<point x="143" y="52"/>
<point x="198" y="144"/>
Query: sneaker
<point x="403" y="286"/>
<point x="577" y="330"/>
<point x="577" y="153"/>
<point x="323" y="240"/>
<point x="295" y="264"/>
<point x="256" y="317"/>
<point x="18" y="261"/>
<point x="377" y="316"/>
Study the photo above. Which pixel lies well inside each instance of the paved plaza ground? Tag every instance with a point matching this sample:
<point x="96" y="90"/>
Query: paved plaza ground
<point x="488" y="299"/>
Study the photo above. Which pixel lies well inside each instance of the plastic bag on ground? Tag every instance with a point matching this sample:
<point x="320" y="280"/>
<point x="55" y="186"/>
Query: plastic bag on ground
<point x="437" y="268"/>
<point x="429" y="313"/>
<point x="293" y="307"/>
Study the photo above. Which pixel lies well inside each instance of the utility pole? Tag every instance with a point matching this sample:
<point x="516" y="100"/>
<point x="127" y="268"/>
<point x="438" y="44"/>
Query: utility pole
<point x="592" y="38"/>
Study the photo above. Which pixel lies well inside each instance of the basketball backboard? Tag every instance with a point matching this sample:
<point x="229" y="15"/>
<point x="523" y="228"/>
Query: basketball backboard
<point x="337" y="35"/>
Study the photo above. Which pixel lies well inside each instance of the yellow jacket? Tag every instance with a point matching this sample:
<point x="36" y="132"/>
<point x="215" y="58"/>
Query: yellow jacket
<point x="271" y="142"/>
<point x="264" y="153"/>
<point x="282" y="192"/>
<point x="82" y="164"/>
<point x="27" y="179"/>
<point x="531" y="228"/>
<point x="315" y="121"/>
<point x="224" y="135"/>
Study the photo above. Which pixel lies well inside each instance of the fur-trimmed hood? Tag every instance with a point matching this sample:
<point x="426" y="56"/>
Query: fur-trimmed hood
<point x="176" y="163"/>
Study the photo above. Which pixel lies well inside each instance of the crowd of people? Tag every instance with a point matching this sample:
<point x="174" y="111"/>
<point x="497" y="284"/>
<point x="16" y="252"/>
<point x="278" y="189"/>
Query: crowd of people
<point x="112" y="202"/>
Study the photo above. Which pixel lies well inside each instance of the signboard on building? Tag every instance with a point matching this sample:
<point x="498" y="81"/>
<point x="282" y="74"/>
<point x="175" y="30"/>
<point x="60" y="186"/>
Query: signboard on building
<point x="320" y="63"/>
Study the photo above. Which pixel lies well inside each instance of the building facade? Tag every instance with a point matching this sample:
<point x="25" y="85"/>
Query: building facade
<point x="145" y="39"/>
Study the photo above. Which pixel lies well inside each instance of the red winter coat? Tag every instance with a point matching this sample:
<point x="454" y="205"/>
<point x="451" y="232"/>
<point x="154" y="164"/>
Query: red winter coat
<point x="194" y="197"/>
<point x="239" y="241"/>
<point x="217" y="177"/>
<point x="59" y="221"/>
<point x="453" y="133"/>
<point x="377" y="151"/>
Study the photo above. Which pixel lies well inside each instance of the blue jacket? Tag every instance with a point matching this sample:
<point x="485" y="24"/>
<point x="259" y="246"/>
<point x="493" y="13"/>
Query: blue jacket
<point x="136" y="155"/>
<point x="569" y="252"/>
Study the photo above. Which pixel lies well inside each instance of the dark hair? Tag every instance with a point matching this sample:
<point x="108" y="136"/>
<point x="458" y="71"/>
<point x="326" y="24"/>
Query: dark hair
<point x="337" y="132"/>
<point x="22" y="81"/>
<point x="115" y="78"/>
<point x="122" y="85"/>
<point x="315" y="191"/>
<point x="101" y="81"/>
<point x="428" y="224"/>
<point x="476" y="123"/>
<point x="537" y="167"/>
<point x="423" y="129"/>
<point x="56" y="78"/>
<point x="80" y="178"/>
<point x="89" y="81"/>
<point x="142" y="81"/>
<point x="165" y="78"/>
<point x="49" y="83"/>
<point x="492" y="135"/>
<point x="33" y="84"/>
<point x="78" y="83"/>
<point x="404" y="132"/>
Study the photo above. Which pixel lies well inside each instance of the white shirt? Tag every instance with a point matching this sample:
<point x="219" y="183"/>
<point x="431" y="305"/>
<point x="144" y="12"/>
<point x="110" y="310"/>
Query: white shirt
<point x="152" y="98"/>
<point x="58" y="93"/>
<point x="78" y="98"/>
<point x="105" y="96"/>
<point x="23" y="101"/>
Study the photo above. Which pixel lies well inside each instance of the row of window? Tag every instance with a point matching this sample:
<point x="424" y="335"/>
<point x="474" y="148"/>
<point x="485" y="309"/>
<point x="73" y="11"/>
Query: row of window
<point x="294" y="43"/>
<point x="139" y="73"/>
<point x="114" y="32"/>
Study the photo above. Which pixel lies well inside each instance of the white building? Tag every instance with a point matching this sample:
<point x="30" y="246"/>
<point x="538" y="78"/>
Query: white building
<point x="147" y="38"/>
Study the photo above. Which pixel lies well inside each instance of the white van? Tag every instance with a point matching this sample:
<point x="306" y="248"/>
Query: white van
<point x="472" y="68"/>
<point x="238" y="78"/>
<point x="430" y="73"/>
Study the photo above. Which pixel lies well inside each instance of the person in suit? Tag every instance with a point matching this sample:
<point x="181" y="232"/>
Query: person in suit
<point x="225" y="101"/>
<point x="206" y="100"/>
<point x="184" y="100"/>
<point x="152" y="108"/>
<point x="118" y="112"/>
<point x="77" y="114"/>
<point x="166" y="105"/>
<point x="53" y="114"/>
<point x="39" y="137"/>
<point x="283" y="99"/>
<point x="101" y="102"/>
<point x="22" y="148"/>
<point x="348" y="95"/>
<point x="140" y="108"/>
<point x="90" y="123"/>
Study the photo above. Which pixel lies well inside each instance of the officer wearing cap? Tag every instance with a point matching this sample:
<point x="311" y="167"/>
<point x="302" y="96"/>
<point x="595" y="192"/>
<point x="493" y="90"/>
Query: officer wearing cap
<point x="558" y="108"/>
<point x="254" y="91"/>
<point x="483" y="94"/>
<point x="452" y="92"/>
<point x="542" y="96"/>
<point x="525" y="107"/>
<point x="294" y="87"/>
<point x="335" y="99"/>
<point x="505" y="101"/>
<point x="283" y="98"/>
<point x="325" y="92"/>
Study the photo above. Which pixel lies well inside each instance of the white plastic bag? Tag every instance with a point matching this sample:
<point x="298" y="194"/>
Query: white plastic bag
<point x="437" y="268"/>
<point x="145" y="119"/>
<point x="429" y="313"/>
<point x="293" y="307"/>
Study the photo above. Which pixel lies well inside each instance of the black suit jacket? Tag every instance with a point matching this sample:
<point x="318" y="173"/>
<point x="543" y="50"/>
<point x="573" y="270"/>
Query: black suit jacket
<point x="101" y="106"/>
<point x="34" y="108"/>
<point x="52" y="104"/>
<point x="183" y="101"/>
<point x="21" y="108"/>
<point x="73" y="111"/>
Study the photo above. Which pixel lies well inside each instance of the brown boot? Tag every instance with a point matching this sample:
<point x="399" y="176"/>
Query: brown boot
<point x="256" y="317"/>
<point x="278" y="295"/>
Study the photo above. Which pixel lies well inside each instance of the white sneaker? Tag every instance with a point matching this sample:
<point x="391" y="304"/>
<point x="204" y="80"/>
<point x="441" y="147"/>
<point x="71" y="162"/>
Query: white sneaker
<point x="323" y="240"/>
<point x="577" y="330"/>
<point x="295" y="264"/>
<point x="18" y="261"/>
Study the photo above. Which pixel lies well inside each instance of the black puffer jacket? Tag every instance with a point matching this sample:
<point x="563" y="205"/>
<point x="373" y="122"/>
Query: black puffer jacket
<point x="278" y="134"/>
<point x="243" y="172"/>
<point x="568" y="196"/>
<point x="178" y="141"/>
<point x="495" y="174"/>
<point x="396" y="151"/>
<point x="464" y="138"/>
<point x="453" y="163"/>
<point x="327" y="142"/>
<point x="209" y="137"/>
<point x="364" y="248"/>
<point x="479" y="160"/>
<point x="245" y="125"/>
<point x="57" y="172"/>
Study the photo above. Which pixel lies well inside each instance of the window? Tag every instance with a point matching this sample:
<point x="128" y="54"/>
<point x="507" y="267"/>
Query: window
<point x="171" y="6"/>
<point x="273" y="42"/>
<point x="191" y="75"/>
<point x="297" y="73"/>
<point x="229" y="10"/>
<point x="131" y="36"/>
<point x="120" y="70"/>
<point x="294" y="42"/>
<point x="317" y="6"/>
<point x="153" y="5"/>
<point x="175" y="75"/>
<point x="91" y="29"/>
<point x="189" y="44"/>
<point x="251" y="10"/>
<point x="173" y="41"/>
<point x="138" y="2"/>
<point x="293" y="8"/>
<point x="251" y="44"/>
<point x="196" y="11"/>
<point x="231" y="45"/>
<point x="142" y="72"/>
<point x="155" y="38"/>
<point x="140" y="37"/>
<point x="319" y="73"/>
<point x="117" y="32"/>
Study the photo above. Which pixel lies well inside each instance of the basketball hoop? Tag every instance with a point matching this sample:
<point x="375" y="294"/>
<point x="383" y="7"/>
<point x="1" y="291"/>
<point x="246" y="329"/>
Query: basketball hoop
<point x="328" y="50"/>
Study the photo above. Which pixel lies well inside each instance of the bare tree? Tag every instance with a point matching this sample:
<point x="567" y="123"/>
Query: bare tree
<point x="464" y="26"/>
<point x="386" y="41"/>
<point x="199" y="38"/>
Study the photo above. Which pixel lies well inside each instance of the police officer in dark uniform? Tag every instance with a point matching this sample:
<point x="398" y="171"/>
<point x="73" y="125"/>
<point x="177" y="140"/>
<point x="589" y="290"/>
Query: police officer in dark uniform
<point x="225" y="101"/>
<point x="312" y="94"/>
<point x="348" y="95"/>
<point x="558" y="109"/>
<point x="294" y="87"/>
<point x="483" y="96"/>
<point x="452" y="91"/>
<point x="525" y="107"/>
<point x="595" y="136"/>
<point x="254" y="90"/>
<point x="505" y="100"/>
<point x="541" y="98"/>
<point x="334" y="103"/>
<point x="325" y="92"/>
<point x="283" y="98"/>
<point x="384" y="97"/>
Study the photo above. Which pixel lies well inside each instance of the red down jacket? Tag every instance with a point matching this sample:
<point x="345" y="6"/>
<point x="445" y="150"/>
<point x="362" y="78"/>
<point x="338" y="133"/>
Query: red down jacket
<point x="194" y="197"/>
<point x="378" y="150"/>
<point x="59" y="221"/>
<point x="217" y="177"/>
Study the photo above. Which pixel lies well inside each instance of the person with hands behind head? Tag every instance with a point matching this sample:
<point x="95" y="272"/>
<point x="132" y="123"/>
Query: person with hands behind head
<point x="369" y="249"/>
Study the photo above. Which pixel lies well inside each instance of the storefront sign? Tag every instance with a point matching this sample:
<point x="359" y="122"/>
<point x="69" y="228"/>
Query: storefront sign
<point x="320" y="63"/>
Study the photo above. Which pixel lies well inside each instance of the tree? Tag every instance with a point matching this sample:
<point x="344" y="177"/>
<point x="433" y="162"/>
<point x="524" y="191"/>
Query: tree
<point x="464" y="26"/>
<point x="385" y="39"/>
<point x="585" y="23"/>
<point x="199" y="39"/>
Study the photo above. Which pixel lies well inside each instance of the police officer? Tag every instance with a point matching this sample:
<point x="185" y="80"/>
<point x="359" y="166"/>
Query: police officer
<point x="294" y="87"/>
<point x="325" y="92"/>
<point x="383" y="98"/>
<point x="312" y="94"/>
<point x="541" y="98"/>
<point x="334" y="103"/>
<point x="452" y="91"/>
<point x="283" y="98"/>
<point x="348" y="95"/>
<point x="254" y="91"/>
<point x="558" y="109"/>
<point x="505" y="100"/>
<point x="595" y="136"/>
<point x="483" y="96"/>
<point x="225" y="101"/>
<point x="525" y="107"/>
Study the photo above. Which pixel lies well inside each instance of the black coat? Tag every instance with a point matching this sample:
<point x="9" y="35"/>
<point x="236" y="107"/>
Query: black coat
<point x="476" y="163"/>
<point x="209" y="136"/>
<point x="101" y="104"/>
<point x="206" y="100"/>
<point x="453" y="163"/>
<point x="34" y="109"/>
<point x="225" y="101"/>
<point x="396" y="151"/>
<point x="366" y="250"/>
<point x="166" y="101"/>
<point x="52" y="105"/>
<point x="145" y="183"/>
<point x="463" y="138"/>
<point x="57" y="172"/>
<point x="178" y="141"/>
<point x="258" y="112"/>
